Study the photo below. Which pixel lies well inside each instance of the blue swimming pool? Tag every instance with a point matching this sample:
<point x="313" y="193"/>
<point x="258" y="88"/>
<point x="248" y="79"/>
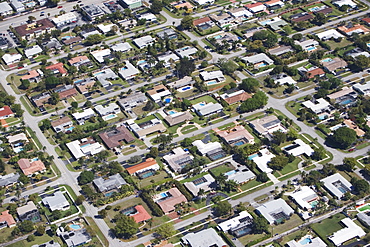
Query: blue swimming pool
<point x="313" y="9"/>
<point x="141" y="62"/>
<point x="310" y="48"/>
<point x="218" y="36"/>
<point x="75" y="227"/>
<point x="86" y="145"/>
<point x="99" y="73"/>
<point x="262" y="65"/>
<point x="70" y="128"/>
<point x="110" y="116"/>
<point x="185" y="88"/>
<point x="327" y="60"/>
<point x="253" y="156"/>
<point x="35" y="159"/>
<point x="202" y="104"/>
<point x="109" y="194"/>
<point x="305" y="241"/>
<point x="346" y="102"/>
<point x="239" y="143"/>
<point x="167" y="100"/>
<point x="263" y="23"/>
<point x="172" y="112"/>
<point x="80" y="80"/>
<point x="230" y="173"/>
<point x="212" y="82"/>
<point x="147" y="174"/>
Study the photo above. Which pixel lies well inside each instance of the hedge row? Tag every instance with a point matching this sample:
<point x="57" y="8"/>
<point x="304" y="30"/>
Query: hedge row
<point x="183" y="190"/>
<point x="156" y="210"/>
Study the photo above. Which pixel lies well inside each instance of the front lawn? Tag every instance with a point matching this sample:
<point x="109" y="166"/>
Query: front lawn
<point x="328" y="226"/>
<point x="222" y="169"/>
<point x="206" y="98"/>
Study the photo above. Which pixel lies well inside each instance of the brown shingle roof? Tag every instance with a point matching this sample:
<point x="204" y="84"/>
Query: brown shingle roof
<point x="238" y="98"/>
<point x="314" y="72"/>
<point x="178" y="118"/>
<point x="72" y="40"/>
<point x="60" y="121"/>
<point x="39" y="25"/>
<point x="113" y="137"/>
<point x="68" y="93"/>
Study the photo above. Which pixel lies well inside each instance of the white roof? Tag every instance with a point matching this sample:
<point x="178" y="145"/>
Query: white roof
<point x="242" y="175"/>
<point x="300" y="147"/>
<point x="315" y="242"/>
<point x="205" y="148"/>
<point x="105" y="28"/>
<point x="337" y="184"/>
<point x="11" y="58"/>
<point x="362" y="88"/>
<point x="306" y="43"/>
<point x="186" y="51"/>
<point x="202" y="2"/>
<point x="166" y="58"/>
<point x="234" y="222"/>
<point x="143" y="41"/>
<point x="80" y="115"/>
<point x="148" y="17"/>
<point x="128" y="71"/>
<point x="100" y="54"/>
<point x="271" y="208"/>
<point x="240" y="12"/>
<point x="210" y="75"/>
<point x="207" y="237"/>
<point x="207" y="181"/>
<point x="85" y="35"/>
<point x="257" y="8"/>
<point x="5" y="7"/>
<point x="207" y="108"/>
<point x="64" y="18"/>
<point x="350" y="3"/>
<point x="121" y="47"/>
<point x="31" y="51"/>
<point x="75" y="149"/>
<point x="17" y="137"/>
<point x="350" y="231"/>
<point x="262" y="57"/>
<point x="105" y="110"/>
<point x="319" y="106"/>
<point x="304" y="196"/>
<point x="262" y="160"/>
<point x="286" y="80"/>
<point x="332" y="33"/>
<point x="57" y="201"/>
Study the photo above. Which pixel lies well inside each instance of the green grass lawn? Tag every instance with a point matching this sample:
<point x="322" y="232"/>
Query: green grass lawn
<point x="288" y="168"/>
<point x="294" y="221"/>
<point x="328" y="226"/>
<point x="38" y="241"/>
<point x="193" y="178"/>
<point x="149" y="181"/>
<point x="333" y="44"/>
<point x="220" y="170"/>
<point x="206" y="99"/>
<point x="143" y="120"/>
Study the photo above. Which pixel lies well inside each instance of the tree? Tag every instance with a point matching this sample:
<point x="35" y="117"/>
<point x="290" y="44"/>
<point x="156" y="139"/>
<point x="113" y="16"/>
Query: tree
<point x="297" y="36"/>
<point x="223" y="208"/>
<point x="134" y="159"/>
<point x="153" y="152"/>
<point x="362" y="62"/>
<point x="260" y="225"/>
<point x="360" y="186"/>
<point x="257" y="101"/>
<point x="187" y="22"/>
<point x="26" y="226"/>
<point x="126" y="226"/>
<point x="320" y="18"/>
<point x="85" y="177"/>
<point x="221" y="180"/>
<point x="93" y="39"/>
<point x="278" y="162"/>
<point x="30" y="238"/>
<point x="40" y="230"/>
<point x="51" y="82"/>
<point x="102" y="213"/>
<point x="17" y="109"/>
<point x="166" y="231"/>
<point x="318" y="154"/>
<point x="74" y="105"/>
<point x="227" y="66"/>
<point x="262" y="177"/>
<point x="185" y="67"/>
<point x="156" y="6"/>
<point x="150" y="106"/>
<point x="25" y="84"/>
<point x="349" y="163"/>
<point x="79" y="200"/>
<point x="56" y="215"/>
<point x="279" y="137"/>
<point x="24" y="179"/>
<point x="45" y="124"/>
<point x="344" y="137"/>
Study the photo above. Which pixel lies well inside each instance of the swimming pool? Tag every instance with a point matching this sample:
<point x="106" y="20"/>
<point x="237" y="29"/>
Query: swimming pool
<point x="183" y="89"/>
<point x="253" y="156"/>
<point x="218" y="36"/>
<point x="141" y="62"/>
<point x="35" y="159"/>
<point x="70" y="128"/>
<point x="314" y="203"/>
<point x="99" y="73"/>
<point x="172" y="112"/>
<point x="230" y="173"/>
<point x="17" y="150"/>
<point x="264" y="23"/>
<point x="261" y="65"/>
<point x="212" y="82"/>
<point x="239" y="143"/>
<point x="346" y="102"/>
<point x="305" y="241"/>
<point x="110" y="116"/>
<point x="326" y="60"/>
<point x="167" y="100"/>
<point x="310" y="48"/>
<point x="67" y="37"/>
<point x="109" y="194"/>
<point x="202" y="104"/>
<point x="322" y="117"/>
<point x="86" y="145"/>
<point x="80" y="80"/>
<point x="336" y="127"/>
<point x="313" y="9"/>
<point x="75" y="226"/>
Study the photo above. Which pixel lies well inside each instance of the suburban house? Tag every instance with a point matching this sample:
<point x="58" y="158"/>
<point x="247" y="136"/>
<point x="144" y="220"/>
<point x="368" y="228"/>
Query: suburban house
<point x="12" y="58"/>
<point x="132" y="101"/>
<point x="107" y="110"/>
<point x="259" y="60"/>
<point x="71" y="41"/>
<point x="84" y="147"/>
<point x="186" y="51"/>
<point x="86" y="33"/>
<point x="208" y="76"/>
<point x="235" y="97"/>
<point x="169" y="199"/>
<point x="213" y="150"/>
<point x="74" y="238"/>
<point x="63" y="124"/>
<point x="114" y="137"/>
<point x="298" y="147"/>
<point x="276" y="23"/>
<point x="235" y="136"/>
<point x="168" y="33"/>
<point x="207" y="109"/>
<point x="146" y="128"/>
<point x="332" y="65"/>
<point x="102" y="55"/>
<point x="57" y="69"/>
<point x="239" y="225"/>
<point x="283" y="79"/>
<point x="275" y="211"/>
<point x="106" y="28"/>
<point x="351" y="29"/>
<point x="6" y="112"/>
<point x="17" y="141"/>
<point x="203" y="23"/>
<point x="121" y="47"/>
<point x="205" y="183"/>
<point x="364" y="217"/>
<point x="138" y="213"/>
<point x="311" y="72"/>
<point x="64" y="19"/>
<point x="274" y="4"/>
<point x="329" y="34"/>
<point x="6" y="220"/>
<point x="304" y="16"/>
<point x="32" y="75"/>
<point x="66" y="91"/>
<point x="92" y="11"/>
<point x="80" y="60"/>
<point x="32" y="51"/>
<point x="363" y="89"/>
<point x="267" y="125"/>
<point x="352" y="125"/>
<point x="178" y="159"/>
<point x="223" y="20"/>
<point x="255" y="7"/>
<point x="318" y="106"/>
<point x="240" y="13"/>
<point x="40" y="99"/>
<point x="178" y="117"/>
<point x="280" y="50"/>
<point x="150" y="165"/>
<point x="203" y="2"/>
<point x="262" y="158"/>
<point x="248" y="33"/>
<point x="144" y="41"/>
<point x="9" y="179"/>
<point x="34" y="29"/>
<point x="185" y="81"/>
<point x="240" y="175"/>
<point x="337" y="185"/>
<point x="132" y="4"/>
<point x="30" y="167"/>
<point x="344" y="95"/>
<point x="29" y="212"/>
<point x="104" y="76"/>
<point x="56" y="201"/>
<point x="350" y="230"/>
<point x="128" y="71"/>
<point x="315" y="242"/>
<point x="169" y="58"/>
<point x="85" y="85"/>
<point x="305" y="197"/>
<point x="158" y="92"/>
<point x="149" y="17"/>
<point x="207" y="237"/>
<point x="53" y="43"/>
<point x="341" y="3"/>
<point x="111" y="183"/>
<point x="83" y="116"/>
<point x="308" y="45"/>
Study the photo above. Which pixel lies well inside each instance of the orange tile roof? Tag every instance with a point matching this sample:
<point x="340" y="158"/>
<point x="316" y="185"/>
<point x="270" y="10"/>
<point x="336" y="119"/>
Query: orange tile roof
<point x="366" y="20"/>
<point x="272" y="1"/>
<point x="68" y="93"/>
<point x="5" y="216"/>
<point x="314" y="72"/>
<point x="182" y="5"/>
<point x="31" y="74"/>
<point x="59" y="67"/>
<point x="141" y="215"/>
<point x="201" y="20"/>
<point x="252" y="5"/>
<point x="149" y="162"/>
<point x="350" y="124"/>
<point x="77" y="59"/>
<point x="169" y="203"/>
<point x="5" y="111"/>
<point x="29" y="168"/>
<point x="238" y="98"/>
<point x="355" y="27"/>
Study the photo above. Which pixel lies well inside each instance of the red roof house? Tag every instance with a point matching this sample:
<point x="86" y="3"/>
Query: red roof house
<point x="30" y="167"/>
<point x="141" y="214"/>
<point x="6" y="218"/>
<point x="6" y="112"/>
<point x="57" y="68"/>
